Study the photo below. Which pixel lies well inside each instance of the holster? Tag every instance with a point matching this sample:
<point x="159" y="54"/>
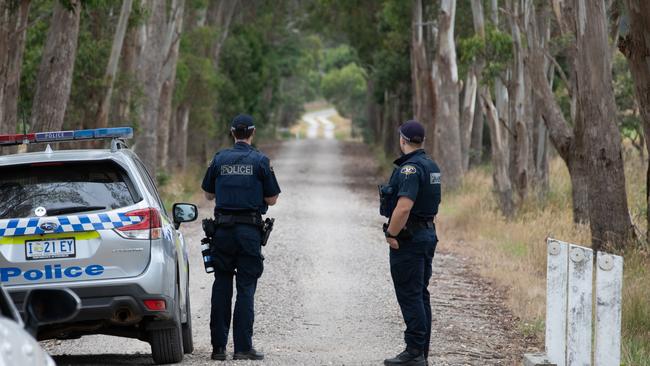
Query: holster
<point x="266" y="230"/>
<point x="386" y="200"/>
<point x="209" y="227"/>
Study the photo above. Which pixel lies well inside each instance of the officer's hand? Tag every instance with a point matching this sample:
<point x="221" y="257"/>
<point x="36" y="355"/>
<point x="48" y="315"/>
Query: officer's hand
<point x="393" y="243"/>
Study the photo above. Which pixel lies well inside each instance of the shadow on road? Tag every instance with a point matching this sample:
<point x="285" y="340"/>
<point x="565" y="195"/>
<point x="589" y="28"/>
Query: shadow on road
<point x="104" y="359"/>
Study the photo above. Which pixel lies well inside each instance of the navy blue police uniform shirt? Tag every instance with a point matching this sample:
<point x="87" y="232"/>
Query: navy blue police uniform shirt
<point x="240" y="178"/>
<point x="417" y="177"/>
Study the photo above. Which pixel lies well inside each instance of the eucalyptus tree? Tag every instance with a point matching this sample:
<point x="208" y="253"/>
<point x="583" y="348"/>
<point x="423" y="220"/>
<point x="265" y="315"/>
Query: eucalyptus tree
<point x="54" y="78"/>
<point x="13" y="28"/>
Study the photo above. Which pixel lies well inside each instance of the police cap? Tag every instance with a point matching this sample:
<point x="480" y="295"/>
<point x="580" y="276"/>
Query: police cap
<point x="242" y="122"/>
<point x="412" y="131"/>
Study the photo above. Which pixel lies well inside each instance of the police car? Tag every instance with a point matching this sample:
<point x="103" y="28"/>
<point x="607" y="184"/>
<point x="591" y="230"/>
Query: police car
<point x="92" y="221"/>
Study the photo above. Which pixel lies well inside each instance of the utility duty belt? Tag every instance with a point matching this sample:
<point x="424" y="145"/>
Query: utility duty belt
<point x="420" y="224"/>
<point x="411" y="227"/>
<point x="226" y="220"/>
<point x="247" y="218"/>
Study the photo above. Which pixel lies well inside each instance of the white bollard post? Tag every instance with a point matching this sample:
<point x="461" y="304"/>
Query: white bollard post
<point x="556" y="301"/>
<point x="579" y="311"/>
<point x="570" y="291"/>
<point x="609" y="287"/>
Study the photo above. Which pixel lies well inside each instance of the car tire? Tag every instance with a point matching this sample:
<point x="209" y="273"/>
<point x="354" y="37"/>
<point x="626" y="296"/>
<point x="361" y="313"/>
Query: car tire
<point x="167" y="343"/>
<point x="188" y="342"/>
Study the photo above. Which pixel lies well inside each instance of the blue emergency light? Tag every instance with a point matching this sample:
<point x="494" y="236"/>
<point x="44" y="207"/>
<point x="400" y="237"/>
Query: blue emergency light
<point x="61" y="136"/>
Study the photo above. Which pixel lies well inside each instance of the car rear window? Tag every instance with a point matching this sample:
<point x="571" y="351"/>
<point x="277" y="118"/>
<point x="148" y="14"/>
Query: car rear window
<point x="64" y="188"/>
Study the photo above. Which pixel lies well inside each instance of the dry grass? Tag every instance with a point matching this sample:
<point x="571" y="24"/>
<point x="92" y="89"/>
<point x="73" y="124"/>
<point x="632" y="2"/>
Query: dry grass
<point x="181" y="186"/>
<point x="513" y="252"/>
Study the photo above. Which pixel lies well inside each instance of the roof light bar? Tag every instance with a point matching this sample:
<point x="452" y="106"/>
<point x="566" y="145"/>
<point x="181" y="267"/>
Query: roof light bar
<point x="59" y="136"/>
<point x="7" y="140"/>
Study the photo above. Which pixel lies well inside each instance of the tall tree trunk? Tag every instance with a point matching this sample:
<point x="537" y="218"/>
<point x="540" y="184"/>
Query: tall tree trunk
<point x="372" y="113"/>
<point x="220" y="15"/>
<point x="111" y="68"/>
<point x="521" y="147"/>
<point x="540" y="132"/>
<point x="447" y="144"/>
<point x="472" y="139"/>
<point x="178" y="150"/>
<point x="560" y="132"/>
<point x="54" y="78"/>
<point x="467" y="117"/>
<point x="168" y="75"/>
<point x="597" y="131"/>
<point x="423" y="102"/>
<point x="470" y="95"/>
<point x="13" y="27"/>
<point x="636" y="47"/>
<point x="476" y="145"/>
<point x="149" y="69"/>
<point x="128" y="69"/>
<point x="501" y="179"/>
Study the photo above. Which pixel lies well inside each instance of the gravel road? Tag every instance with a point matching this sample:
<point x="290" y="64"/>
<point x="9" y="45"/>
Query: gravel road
<point x="326" y="296"/>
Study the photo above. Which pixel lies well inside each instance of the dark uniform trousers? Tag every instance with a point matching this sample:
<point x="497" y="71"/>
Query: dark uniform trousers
<point x="236" y="252"/>
<point x="411" y="269"/>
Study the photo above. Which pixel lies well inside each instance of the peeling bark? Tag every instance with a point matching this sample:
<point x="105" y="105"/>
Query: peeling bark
<point x="636" y="47"/>
<point x="476" y="145"/>
<point x="13" y="28"/>
<point x="149" y="69"/>
<point x="561" y="134"/>
<point x="467" y="117"/>
<point x="54" y="78"/>
<point x="501" y="179"/>
<point x="168" y="75"/>
<point x="597" y="133"/>
<point x="447" y="145"/>
<point x="111" y="68"/>
<point x="423" y="100"/>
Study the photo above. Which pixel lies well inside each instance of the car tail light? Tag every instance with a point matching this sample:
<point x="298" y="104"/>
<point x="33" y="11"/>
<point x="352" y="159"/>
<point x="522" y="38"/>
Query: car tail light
<point x="155" y="305"/>
<point x="149" y="227"/>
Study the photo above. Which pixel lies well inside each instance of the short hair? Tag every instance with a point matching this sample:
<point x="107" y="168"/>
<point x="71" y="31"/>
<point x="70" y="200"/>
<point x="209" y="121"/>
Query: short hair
<point x="417" y="144"/>
<point x="242" y="132"/>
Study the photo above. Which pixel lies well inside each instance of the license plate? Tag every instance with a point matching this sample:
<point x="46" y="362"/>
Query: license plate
<point x="50" y="248"/>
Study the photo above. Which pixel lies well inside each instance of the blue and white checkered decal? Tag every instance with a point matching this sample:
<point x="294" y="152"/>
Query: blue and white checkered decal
<point x="66" y="224"/>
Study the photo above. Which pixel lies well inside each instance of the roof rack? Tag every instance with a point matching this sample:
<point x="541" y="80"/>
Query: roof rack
<point x="118" y="134"/>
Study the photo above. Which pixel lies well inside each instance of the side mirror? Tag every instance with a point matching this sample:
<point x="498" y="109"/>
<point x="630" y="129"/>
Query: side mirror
<point x="50" y="306"/>
<point x="184" y="212"/>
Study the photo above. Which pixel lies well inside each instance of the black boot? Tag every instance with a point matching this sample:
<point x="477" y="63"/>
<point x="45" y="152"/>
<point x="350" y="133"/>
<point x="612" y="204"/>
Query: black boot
<point x="407" y="358"/>
<point x="250" y="355"/>
<point x="219" y="354"/>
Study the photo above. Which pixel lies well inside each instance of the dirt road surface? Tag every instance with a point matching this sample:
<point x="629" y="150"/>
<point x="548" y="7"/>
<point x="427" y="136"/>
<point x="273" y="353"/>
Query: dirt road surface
<point x="326" y="297"/>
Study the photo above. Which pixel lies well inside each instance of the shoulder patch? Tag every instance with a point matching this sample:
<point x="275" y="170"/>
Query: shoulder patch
<point x="408" y="170"/>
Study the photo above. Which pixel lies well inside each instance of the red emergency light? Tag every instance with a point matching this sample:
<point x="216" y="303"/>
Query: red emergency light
<point x="19" y="139"/>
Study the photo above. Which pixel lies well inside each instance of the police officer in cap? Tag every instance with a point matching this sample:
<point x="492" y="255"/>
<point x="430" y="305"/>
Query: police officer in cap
<point x="242" y="182"/>
<point x="410" y="202"/>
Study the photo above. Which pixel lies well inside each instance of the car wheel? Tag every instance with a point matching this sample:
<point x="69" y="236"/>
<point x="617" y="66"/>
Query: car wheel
<point x="188" y="342"/>
<point x="167" y="344"/>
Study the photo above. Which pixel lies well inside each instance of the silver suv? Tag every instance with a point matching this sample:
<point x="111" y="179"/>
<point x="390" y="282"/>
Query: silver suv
<point x="92" y="221"/>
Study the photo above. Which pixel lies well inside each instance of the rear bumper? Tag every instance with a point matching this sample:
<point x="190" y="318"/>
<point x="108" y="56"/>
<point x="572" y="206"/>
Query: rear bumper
<point x="112" y="309"/>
